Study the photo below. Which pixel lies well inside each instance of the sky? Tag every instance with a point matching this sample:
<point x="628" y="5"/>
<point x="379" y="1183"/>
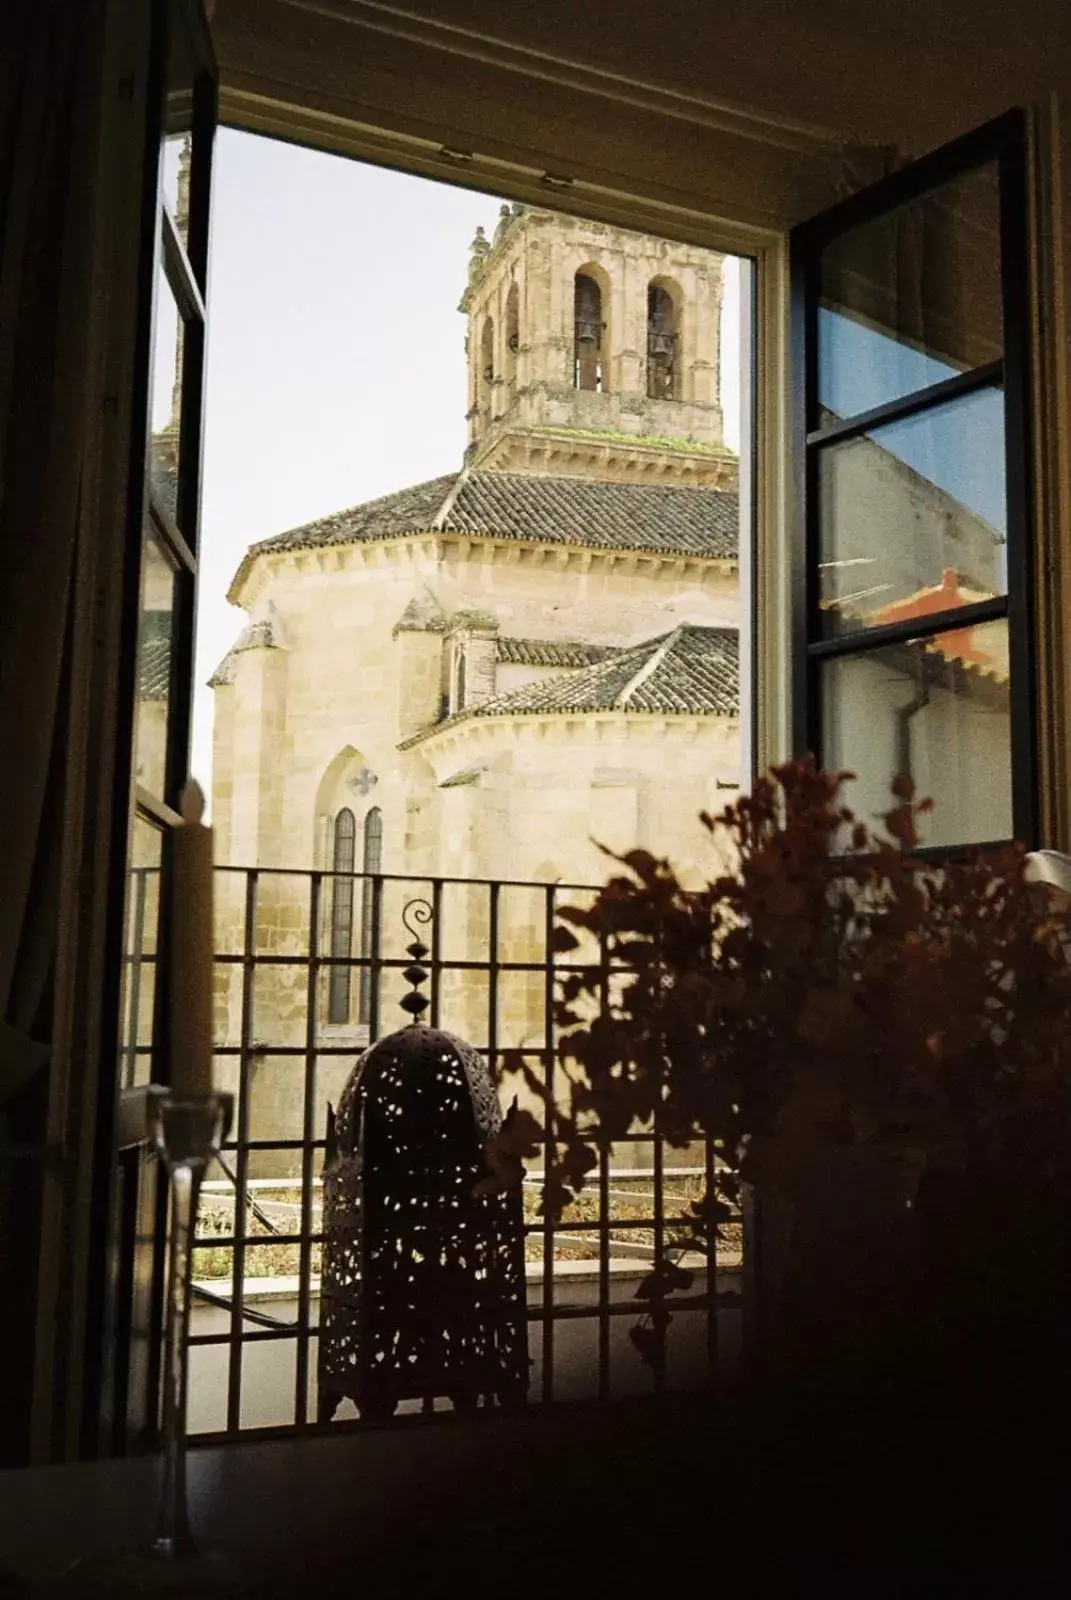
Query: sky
<point x="336" y="363"/>
<point x="959" y="446"/>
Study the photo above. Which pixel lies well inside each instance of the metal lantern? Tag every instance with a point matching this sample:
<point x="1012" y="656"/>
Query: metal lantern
<point x="422" y="1290"/>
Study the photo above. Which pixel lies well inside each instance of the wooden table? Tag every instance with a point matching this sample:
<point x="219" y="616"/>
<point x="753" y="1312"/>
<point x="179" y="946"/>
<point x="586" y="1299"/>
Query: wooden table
<point x="496" y="1503"/>
<point x="639" y="1498"/>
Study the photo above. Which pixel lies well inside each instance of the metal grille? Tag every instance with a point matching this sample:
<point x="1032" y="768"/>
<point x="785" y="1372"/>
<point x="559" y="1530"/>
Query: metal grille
<point x="492" y="981"/>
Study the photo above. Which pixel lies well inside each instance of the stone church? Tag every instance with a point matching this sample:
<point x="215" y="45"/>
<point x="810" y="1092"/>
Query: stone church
<point x="483" y="678"/>
<point x="480" y="676"/>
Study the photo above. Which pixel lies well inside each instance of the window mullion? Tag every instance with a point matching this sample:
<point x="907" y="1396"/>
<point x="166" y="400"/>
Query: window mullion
<point x="915" y="628"/>
<point x="990" y="376"/>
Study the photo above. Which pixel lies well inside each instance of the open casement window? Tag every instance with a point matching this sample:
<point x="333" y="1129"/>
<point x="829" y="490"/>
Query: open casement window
<point x="165" y="502"/>
<point x="912" y="637"/>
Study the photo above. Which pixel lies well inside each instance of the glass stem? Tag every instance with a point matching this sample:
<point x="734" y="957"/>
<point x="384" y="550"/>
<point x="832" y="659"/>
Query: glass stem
<point x="173" y="1532"/>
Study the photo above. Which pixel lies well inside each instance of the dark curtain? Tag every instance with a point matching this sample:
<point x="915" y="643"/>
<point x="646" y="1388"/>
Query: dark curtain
<point x="49" y="85"/>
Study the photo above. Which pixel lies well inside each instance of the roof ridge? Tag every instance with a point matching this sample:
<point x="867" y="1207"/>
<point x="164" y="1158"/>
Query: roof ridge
<point x="650" y="666"/>
<point x="476" y="469"/>
<point x="460" y="480"/>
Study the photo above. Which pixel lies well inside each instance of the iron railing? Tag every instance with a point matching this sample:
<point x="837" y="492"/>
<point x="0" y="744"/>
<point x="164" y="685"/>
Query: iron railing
<point x="492" y="979"/>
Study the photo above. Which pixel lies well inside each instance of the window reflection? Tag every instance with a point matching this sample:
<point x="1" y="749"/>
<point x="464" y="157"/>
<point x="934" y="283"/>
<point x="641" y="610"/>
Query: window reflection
<point x="154" y="668"/>
<point x="938" y="709"/>
<point x="913" y="516"/>
<point x="166" y="415"/>
<point x="912" y="298"/>
<point x="139" y="950"/>
<point x="175" y="181"/>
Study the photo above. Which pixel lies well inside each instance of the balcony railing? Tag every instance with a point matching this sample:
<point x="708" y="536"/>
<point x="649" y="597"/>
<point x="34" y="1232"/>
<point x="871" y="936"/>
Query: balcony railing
<point x="492" y="980"/>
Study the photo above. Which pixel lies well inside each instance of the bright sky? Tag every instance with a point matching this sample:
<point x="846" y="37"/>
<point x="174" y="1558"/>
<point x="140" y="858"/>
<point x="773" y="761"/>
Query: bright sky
<point x="959" y="445"/>
<point x="336" y="365"/>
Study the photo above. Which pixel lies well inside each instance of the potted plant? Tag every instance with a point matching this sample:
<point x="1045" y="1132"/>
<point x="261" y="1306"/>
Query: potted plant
<point x="878" y="1046"/>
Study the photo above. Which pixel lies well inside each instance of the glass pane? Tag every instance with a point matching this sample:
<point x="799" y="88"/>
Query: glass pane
<point x="178" y="119"/>
<point x="139" y="950"/>
<point x="176" y="181"/>
<point x="912" y="298"/>
<point x="154" y="668"/>
<point x="913" y="517"/>
<point x="168" y="339"/>
<point x="938" y="709"/>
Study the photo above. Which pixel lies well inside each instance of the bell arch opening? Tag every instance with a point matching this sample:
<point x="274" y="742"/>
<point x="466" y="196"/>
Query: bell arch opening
<point x="590" y="342"/>
<point x="663" y="340"/>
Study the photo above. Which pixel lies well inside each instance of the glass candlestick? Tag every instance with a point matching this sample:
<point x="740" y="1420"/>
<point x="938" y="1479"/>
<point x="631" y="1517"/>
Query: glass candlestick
<point x="187" y="1133"/>
<point x="187" y="1130"/>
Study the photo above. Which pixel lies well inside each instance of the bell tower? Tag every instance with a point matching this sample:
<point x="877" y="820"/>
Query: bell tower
<point x="594" y="351"/>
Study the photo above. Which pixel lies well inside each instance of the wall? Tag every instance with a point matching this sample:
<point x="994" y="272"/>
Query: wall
<point x="959" y="750"/>
<point x="308" y="721"/>
<point x="335" y="682"/>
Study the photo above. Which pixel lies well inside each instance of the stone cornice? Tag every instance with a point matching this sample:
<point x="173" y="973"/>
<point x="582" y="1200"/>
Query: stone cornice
<point x="612" y="458"/>
<point x="469" y="729"/>
<point x="421" y="550"/>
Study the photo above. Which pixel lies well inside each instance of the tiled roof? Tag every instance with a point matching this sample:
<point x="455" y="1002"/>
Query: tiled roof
<point x="601" y="516"/>
<point x="411" y="510"/>
<point x="257" y="636"/>
<point x="692" y="671"/>
<point x="980" y="645"/>
<point x="463" y="779"/>
<point x="423" y="614"/>
<point x="551" y="510"/>
<point x="154" y="666"/>
<point x="925" y="660"/>
<point x="553" y="652"/>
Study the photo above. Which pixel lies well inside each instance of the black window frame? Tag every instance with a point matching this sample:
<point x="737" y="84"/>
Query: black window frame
<point x="1002" y="142"/>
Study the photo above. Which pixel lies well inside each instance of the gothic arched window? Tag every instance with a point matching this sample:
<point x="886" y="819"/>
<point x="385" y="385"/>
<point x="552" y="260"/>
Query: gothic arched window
<point x="343" y="855"/>
<point x="662" y="344"/>
<point x="587" y="333"/>
<point x="371" y="865"/>
<point x="486" y="376"/>
<point x="459" y="681"/>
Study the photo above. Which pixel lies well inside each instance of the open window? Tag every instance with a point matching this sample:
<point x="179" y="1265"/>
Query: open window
<point x="913" y="650"/>
<point x="163" y="546"/>
<point x="912" y="584"/>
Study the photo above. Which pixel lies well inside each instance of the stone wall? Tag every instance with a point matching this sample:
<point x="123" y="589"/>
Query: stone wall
<point x="525" y="285"/>
<point x="348" y="686"/>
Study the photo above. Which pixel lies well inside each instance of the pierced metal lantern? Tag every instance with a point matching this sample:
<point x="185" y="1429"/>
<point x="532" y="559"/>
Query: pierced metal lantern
<point x="422" y="1289"/>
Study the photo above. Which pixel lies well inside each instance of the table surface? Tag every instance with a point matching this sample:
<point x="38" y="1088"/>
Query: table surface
<point x="429" y="1507"/>
<point x="635" y="1498"/>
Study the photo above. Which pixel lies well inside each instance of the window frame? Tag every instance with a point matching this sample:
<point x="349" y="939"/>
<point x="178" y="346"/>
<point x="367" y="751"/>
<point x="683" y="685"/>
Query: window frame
<point x="371" y="870"/>
<point x="1002" y="142"/>
<point x="340" y="935"/>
